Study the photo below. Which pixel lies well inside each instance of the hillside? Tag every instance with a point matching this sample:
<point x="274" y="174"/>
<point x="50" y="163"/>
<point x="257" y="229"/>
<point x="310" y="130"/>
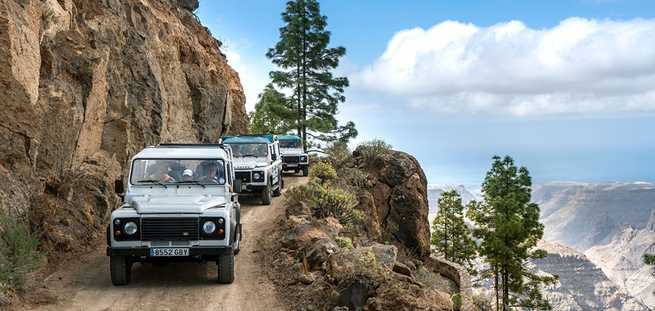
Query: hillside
<point x="86" y="84"/>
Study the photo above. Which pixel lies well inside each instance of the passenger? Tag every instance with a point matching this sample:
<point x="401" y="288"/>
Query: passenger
<point x="163" y="176"/>
<point x="187" y="175"/>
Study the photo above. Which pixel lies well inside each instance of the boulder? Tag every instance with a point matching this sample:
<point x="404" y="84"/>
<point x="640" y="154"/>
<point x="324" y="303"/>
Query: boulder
<point x="399" y="193"/>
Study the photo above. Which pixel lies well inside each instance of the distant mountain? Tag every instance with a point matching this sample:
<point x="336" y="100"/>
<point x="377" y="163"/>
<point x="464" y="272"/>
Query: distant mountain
<point x="582" y="215"/>
<point x="582" y="285"/>
<point x="435" y="191"/>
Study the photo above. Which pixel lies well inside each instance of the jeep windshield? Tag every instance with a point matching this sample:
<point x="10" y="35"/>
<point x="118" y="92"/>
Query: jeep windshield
<point x="289" y="144"/>
<point x="178" y="172"/>
<point x="249" y="150"/>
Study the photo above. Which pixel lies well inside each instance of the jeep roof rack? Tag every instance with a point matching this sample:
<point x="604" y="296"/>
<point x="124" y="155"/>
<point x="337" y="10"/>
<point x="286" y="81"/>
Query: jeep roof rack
<point x="170" y="145"/>
<point x="250" y="138"/>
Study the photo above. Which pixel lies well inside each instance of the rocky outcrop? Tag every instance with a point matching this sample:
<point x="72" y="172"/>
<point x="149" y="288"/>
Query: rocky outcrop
<point x="397" y="198"/>
<point x="85" y="85"/>
<point x="582" y="285"/>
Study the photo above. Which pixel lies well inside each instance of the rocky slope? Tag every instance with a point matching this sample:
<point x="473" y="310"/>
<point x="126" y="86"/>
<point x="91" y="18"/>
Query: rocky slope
<point x="582" y="285"/>
<point x="360" y="241"/>
<point x="622" y="262"/>
<point x="86" y="84"/>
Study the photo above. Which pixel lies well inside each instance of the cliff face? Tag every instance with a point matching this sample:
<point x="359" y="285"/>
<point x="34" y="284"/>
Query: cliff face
<point x="582" y="285"/>
<point x="85" y="85"/>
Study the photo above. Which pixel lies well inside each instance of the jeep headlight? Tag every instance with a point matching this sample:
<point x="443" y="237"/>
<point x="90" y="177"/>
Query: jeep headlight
<point x="130" y="228"/>
<point x="209" y="227"/>
<point x="258" y="176"/>
<point x="303" y="158"/>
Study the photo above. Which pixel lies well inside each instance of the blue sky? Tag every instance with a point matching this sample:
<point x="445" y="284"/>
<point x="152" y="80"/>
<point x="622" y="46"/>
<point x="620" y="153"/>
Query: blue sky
<point x="565" y="87"/>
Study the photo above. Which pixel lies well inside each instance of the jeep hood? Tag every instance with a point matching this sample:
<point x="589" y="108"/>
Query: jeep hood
<point x="187" y="204"/>
<point x="291" y="151"/>
<point x="248" y="163"/>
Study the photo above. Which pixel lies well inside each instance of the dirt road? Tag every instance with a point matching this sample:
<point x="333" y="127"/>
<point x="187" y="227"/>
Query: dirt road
<point x="85" y="285"/>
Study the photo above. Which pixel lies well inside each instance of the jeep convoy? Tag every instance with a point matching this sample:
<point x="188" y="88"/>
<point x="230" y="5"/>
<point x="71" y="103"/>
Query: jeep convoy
<point x="257" y="164"/>
<point x="181" y="204"/>
<point x="293" y="157"/>
<point x="181" y="201"/>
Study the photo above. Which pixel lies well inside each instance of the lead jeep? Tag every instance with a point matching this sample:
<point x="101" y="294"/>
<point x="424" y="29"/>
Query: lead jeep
<point x="181" y="204"/>
<point x="293" y="157"/>
<point x="257" y="164"/>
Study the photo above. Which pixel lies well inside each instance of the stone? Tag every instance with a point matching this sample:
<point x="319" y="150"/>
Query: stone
<point x="402" y="269"/>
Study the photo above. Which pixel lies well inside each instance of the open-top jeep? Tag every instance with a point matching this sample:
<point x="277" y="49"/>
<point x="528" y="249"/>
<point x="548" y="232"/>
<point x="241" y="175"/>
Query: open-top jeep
<point x="181" y="204"/>
<point x="257" y="164"/>
<point x="293" y="157"/>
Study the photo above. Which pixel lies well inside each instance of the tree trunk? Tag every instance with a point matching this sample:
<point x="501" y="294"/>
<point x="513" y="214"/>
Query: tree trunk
<point x="304" y="83"/>
<point x="505" y="290"/>
<point x="496" y="287"/>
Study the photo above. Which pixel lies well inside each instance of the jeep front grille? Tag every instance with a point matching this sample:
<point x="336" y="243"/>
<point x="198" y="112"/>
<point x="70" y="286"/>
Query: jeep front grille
<point x="244" y="176"/>
<point x="291" y="159"/>
<point x="169" y="229"/>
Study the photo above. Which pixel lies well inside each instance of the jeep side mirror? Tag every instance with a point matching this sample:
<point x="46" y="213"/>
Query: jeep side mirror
<point x="118" y="187"/>
<point x="237" y="185"/>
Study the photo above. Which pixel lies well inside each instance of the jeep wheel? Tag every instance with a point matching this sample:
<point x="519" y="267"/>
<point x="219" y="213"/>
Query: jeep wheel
<point x="226" y="268"/>
<point x="120" y="269"/>
<point x="305" y="171"/>
<point x="267" y="195"/>
<point x="278" y="191"/>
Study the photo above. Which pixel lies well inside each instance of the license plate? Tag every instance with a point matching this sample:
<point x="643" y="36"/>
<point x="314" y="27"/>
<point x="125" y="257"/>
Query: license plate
<point x="169" y="252"/>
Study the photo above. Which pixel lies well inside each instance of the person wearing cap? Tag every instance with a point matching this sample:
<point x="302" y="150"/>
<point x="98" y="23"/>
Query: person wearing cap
<point x="187" y="175"/>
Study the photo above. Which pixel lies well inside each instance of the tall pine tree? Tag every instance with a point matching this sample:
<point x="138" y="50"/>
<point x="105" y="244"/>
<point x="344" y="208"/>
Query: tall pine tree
<point x="272" y="113"/>
<point x="307" y="63"/>
<point x="508" y="227"/>
<point x="450" y="235"/>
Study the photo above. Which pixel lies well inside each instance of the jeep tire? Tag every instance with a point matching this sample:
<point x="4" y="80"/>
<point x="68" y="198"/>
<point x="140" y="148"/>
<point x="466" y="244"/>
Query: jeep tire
<point x="278" y="191"/>
<point x="305" y="171"/>
<point x="226" y="268"/>
<point x="120" y="268"/>
<point x="267" y="195"/>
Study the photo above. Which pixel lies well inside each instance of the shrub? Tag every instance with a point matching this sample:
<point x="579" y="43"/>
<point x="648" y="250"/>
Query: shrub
<point x="344" y="242"/>
<point x="18" y="252"/>
<point x="372" y="149"/>
<point x="457" y="301"/>
<point x="338" y="153"/>
<point x="324" y="172"/>
<point x="337" y="203"/>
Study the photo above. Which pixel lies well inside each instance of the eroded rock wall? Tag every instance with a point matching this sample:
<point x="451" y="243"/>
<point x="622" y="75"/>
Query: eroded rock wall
<point x="86" y="84"/>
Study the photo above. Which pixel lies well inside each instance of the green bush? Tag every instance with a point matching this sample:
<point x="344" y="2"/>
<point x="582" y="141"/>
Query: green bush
<point x="372" y="149"/>
<point x="18" y="252"/>
<point x="338" y="154"/>
<point x="344" y="242"/>
<point x="323" y="171"/>
<point x="337" y="203"/>
<point x="457" y="301"/>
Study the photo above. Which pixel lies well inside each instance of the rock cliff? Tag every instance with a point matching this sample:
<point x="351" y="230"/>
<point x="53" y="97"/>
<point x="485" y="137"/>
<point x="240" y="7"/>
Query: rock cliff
<point x="582" y="285"/>
<point x="85" y="85"/>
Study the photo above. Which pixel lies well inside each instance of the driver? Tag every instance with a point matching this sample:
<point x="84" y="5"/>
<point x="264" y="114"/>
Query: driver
<point x="214" y="173"/>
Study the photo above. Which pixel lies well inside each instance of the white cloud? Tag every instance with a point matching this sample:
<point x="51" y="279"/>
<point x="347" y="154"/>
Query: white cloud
<point x="253" y="78"/>
<point x="578" y="66"/>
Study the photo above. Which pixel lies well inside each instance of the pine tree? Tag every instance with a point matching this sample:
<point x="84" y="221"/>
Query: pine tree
<point x="306" y="62"/>
<point x="450" y="235"/>
<point x="508" y="228"/>
<point x="273" y="113"/>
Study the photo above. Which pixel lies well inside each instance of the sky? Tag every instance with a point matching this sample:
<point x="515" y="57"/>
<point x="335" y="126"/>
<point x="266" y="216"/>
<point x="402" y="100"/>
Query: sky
<point x="565" y="87"/>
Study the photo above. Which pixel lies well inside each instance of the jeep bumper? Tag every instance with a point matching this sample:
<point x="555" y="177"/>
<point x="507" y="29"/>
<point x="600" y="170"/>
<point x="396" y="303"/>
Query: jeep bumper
<point x="195" y="252"/>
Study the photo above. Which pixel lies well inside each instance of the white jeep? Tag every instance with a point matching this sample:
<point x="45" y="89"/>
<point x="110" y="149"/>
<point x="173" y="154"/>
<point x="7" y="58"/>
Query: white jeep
<point x="181" y="204"/>
<point x="293" y="157"/>
<point x="257" y="164"/>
